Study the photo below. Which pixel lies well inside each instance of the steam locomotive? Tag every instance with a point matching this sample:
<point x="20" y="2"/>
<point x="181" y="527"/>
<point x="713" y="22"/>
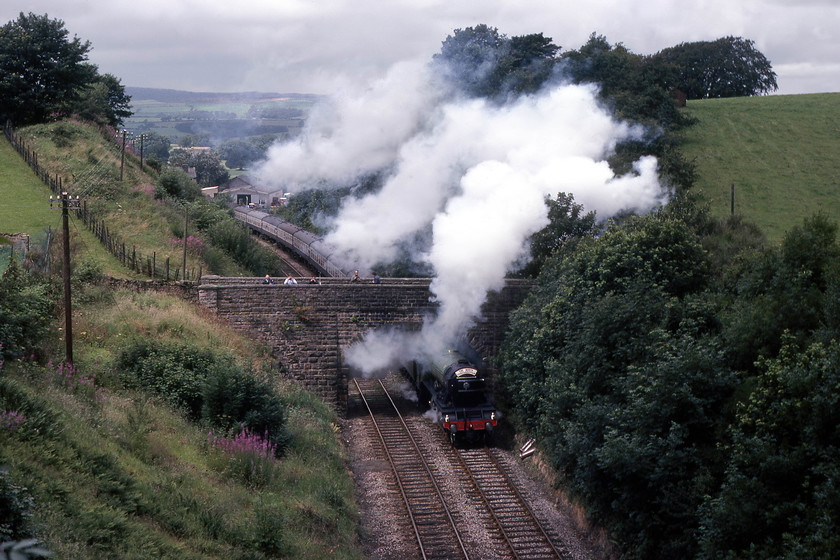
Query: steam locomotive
<point x="457" y="391"/>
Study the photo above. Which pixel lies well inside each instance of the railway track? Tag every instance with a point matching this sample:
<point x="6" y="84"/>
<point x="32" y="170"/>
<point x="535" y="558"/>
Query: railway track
<point x="485" y="491"/>
<point x="433" y="525"/>
<point x="522" y="533"/>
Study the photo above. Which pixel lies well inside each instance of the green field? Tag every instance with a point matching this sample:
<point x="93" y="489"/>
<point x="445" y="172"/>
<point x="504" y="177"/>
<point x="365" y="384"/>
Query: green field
<point x="220" y="116"/>
<point x="781" y="153"/>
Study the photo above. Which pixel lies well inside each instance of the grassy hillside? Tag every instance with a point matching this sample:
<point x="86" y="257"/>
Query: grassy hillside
<point x="108" y="471"/>
<point x="89" y="164"/>
<point x="782" y="153"/>
<point x="31" y="212"/>
<point x="25" y="208"/>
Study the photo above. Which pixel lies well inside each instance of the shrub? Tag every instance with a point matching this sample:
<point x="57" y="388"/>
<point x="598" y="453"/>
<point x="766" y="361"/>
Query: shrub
<point x="234" y="398"/>
<point x="15" y="506"/>
<point x="173" y="371"/>
<point x="26" y="306"/>
<point x="246" y="456"/>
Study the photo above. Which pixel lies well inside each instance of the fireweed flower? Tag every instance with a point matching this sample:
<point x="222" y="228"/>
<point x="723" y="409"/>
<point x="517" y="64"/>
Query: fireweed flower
<point x="11" y="420"/>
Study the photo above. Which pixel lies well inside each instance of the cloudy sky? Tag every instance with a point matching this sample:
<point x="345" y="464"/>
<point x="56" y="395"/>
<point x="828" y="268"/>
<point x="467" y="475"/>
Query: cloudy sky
<point x="317" y="46"/>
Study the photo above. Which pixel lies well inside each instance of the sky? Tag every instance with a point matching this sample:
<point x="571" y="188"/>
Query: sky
<point x="323" y="46"/>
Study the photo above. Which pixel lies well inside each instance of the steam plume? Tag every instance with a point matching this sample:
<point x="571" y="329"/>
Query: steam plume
<point x="476" y="171"/>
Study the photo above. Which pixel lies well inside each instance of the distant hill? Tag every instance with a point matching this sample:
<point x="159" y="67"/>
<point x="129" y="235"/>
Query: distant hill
<point x="180" y="96"/>
<point x="217" y="116"/>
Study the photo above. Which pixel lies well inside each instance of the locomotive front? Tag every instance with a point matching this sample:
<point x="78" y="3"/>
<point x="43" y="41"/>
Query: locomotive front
<point x="458" y="390"/>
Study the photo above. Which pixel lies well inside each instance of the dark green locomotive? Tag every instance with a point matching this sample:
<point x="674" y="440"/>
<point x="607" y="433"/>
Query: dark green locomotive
<point x="457" y="390"/>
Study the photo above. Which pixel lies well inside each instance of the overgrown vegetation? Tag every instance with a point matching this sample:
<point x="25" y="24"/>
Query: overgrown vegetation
<point x="157" y="203"/>
<point x="101" y="460"/>
<point x="677" y="397"/>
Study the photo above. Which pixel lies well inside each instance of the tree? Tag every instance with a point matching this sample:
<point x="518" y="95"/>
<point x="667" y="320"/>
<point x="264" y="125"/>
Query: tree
<point x="633" y="84"/>
<point x="566" y="221"/>
<point x="26" y="305"/>
<point x="481" y="62"/>
<point x="174" y="182"/>
<point x="613" y="364"/>
<point x="157" y="146"/>
<point x="42" y="72"/>
<point x="468" y="56"/>
<point x="209" y="169"/>
<point x="104" y="101"/>
<point x="726" y="67"/>
<point x="239" y="153"/>
<point x="780" y="496"/>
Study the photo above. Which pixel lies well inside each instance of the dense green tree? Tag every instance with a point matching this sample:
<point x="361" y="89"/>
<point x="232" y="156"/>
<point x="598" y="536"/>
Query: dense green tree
<point x="773" y="292"/>
<point x="42" y="71"/>
<point x="156" y="145"/>
<point x="26" y="310"/>
<point x="781" y="495"/>
<point x="239" y="153"/>
<point x="209" y="169"/>
<point x="104" y="101"/>
<point x="726" y="67"/>
<point x="567" y="221"/>
<point x="175" y="183"/>
<point x="481" y="62"/>
<point x="633" y="84"/>
<point x="615" y="365"/>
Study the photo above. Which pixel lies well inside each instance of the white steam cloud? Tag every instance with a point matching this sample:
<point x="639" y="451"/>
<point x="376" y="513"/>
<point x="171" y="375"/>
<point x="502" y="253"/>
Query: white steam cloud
<point x="478" y="172"/>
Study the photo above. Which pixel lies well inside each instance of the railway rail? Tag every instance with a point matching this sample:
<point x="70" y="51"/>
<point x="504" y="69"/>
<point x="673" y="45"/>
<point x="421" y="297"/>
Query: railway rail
<point x="510" y="527"/>
<point x="434" y="527"/>
<point x="523" y="534"/>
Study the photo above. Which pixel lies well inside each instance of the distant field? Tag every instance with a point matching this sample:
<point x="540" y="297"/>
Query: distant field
<point x="782" y="153"/>
<point x="164" y="112"/>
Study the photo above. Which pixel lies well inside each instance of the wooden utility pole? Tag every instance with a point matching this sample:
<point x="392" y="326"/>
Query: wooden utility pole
<point x="67" y="202"/>
<point x="122" y="156"/>
<point x="142" y="137"/>
<point x="732" y="199"/>
<point x="186" y="223"/>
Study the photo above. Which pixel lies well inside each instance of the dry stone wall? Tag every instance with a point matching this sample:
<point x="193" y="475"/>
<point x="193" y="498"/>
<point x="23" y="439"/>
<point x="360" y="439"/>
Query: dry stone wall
<point x="308" y="327"/>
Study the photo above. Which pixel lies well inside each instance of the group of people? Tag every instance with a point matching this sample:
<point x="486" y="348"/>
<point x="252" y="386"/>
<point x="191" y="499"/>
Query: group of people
<point x="376" y="278"/>
<point x="290" y="280"/>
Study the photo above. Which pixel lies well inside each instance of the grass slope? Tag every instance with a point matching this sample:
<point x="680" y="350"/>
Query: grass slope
<point x="116" y="473"/>
<point x="780" y="152"/>
<point x="90" y="167"/>
<point x="24" y="199"/>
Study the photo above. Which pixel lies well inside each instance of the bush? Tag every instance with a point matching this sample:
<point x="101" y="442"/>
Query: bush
<point x="173" y="371"/>
<point x="234" y="398"/>
<point x="175" y="183"/>
<point x="15" y="506"/>
<point x="26" y="306"/>
<point x="210" y="386"/>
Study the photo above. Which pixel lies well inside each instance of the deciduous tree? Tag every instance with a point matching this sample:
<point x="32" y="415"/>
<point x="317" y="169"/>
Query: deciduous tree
<point x="42" y="71"/>
<point x="726" y="67"/>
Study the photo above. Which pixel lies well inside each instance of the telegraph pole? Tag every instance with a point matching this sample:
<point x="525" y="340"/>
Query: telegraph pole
<point x="142" y="137"/>
<point x="122" y="156"/>
<point x="67" y="202"/>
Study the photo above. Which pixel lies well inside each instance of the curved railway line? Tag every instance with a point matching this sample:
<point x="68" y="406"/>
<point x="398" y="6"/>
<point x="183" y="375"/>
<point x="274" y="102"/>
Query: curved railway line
<point x="470" y="484"/>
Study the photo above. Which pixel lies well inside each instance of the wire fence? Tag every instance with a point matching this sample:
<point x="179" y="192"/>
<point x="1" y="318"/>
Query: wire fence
<point x="144" y="264"/>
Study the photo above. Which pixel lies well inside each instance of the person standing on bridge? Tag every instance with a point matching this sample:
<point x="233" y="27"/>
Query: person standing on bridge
<point x="290" y="280"/>
<point x="355" y="277"/>
<point x="268" y="279"/>
<point x="313" y="280"/>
